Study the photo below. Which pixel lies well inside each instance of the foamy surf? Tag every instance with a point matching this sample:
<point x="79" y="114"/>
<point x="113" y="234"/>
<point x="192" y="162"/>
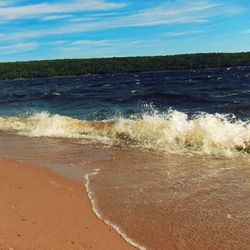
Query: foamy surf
<point x="172" y="131"/>
<point x="118" y="230"/>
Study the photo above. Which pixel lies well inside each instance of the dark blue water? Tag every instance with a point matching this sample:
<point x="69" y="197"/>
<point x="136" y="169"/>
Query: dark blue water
<point x="156" y="198"/>
<point x="223" y="90"/>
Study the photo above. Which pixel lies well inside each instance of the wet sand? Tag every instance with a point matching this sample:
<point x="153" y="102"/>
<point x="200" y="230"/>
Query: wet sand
<point x="162" y="201"/>
<point x="178" y="202"/>
<point x="41" y="210"/>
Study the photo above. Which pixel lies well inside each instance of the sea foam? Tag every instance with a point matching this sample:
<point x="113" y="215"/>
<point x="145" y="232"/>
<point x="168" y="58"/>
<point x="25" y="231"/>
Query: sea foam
<point x="172" y="131"/>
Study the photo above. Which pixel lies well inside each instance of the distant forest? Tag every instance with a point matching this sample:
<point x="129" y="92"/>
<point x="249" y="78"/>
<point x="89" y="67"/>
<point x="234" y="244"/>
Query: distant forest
<point x="70" y="67"/>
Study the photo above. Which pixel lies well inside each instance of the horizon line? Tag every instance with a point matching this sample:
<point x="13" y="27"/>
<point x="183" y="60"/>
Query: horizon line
<point x="132" y="56"/>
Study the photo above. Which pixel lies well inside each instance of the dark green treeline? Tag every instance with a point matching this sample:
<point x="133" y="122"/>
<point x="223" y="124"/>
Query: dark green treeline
<point x="68" y="67"/>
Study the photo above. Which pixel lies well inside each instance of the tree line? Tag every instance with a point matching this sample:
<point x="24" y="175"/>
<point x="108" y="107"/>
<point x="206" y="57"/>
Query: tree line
<point x="70" y="67"/>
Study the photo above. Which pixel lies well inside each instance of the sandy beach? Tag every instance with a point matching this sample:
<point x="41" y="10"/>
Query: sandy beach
<point x="41" y="210"/>
<point x="161" y="201"/>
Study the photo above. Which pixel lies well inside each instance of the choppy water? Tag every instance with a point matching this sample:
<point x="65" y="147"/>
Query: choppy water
<point x="170" y="149"/>
<point x="204" y="111"/>
<point x="105" y="96"/>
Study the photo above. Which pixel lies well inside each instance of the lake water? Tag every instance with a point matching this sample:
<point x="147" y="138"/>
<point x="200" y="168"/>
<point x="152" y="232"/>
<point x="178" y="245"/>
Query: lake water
<point x="164" y="155"/>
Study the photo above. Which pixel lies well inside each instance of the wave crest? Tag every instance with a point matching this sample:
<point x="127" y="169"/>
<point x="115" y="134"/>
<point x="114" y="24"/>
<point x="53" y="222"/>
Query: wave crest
<point x="172" y="131"/>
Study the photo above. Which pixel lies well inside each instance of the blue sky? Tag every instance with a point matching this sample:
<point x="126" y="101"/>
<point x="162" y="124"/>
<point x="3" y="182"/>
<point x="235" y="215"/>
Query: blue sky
<point x="37" y="29"/>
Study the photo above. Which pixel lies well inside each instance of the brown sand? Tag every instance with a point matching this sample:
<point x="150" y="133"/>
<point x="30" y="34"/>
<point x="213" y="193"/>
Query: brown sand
<point x="168" y="202"/>
<point x="40" y="210"/>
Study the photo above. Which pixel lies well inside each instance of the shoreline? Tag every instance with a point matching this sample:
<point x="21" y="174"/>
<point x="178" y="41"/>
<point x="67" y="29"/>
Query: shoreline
<point x="42" y="210"/>
<point x="113" y="65"/>
<point x="160" y="201"/>
<point x="120" y="73"/>
<point x="116" y="228"/>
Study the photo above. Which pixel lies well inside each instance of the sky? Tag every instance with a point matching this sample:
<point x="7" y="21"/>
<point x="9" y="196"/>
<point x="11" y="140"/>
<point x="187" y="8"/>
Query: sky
<point x="50" y="29"/>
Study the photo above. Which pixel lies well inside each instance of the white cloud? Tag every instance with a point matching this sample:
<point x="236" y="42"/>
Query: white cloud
<point x="175" y="13"/>
<point x="166" y="14"/>
<point x="56" y="43"/>
<point x="5" y="3"/>
<point x="18" y="48"/>
<point x="82" y="19"/>
<point x="182" y="33"/>
<point x="100" y="48"/>
<point x="170" y="13"/>
<point x="56" y="17"/>
<point x="93" y="42"/>
<point x="83" y="44"/>
<point x="246" y="31"/>
<point x="38" y="10"/>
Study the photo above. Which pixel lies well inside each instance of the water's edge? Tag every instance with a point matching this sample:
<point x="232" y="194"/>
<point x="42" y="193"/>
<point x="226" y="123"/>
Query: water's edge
<point x="117" y="229"/>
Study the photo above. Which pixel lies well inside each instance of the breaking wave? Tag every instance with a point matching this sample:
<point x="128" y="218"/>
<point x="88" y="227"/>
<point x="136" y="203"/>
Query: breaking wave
<point x="172" y="131"/>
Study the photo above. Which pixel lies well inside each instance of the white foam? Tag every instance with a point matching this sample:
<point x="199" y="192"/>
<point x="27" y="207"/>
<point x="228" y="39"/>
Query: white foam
<point x="172" y="131"/>
<point x="97" y="213"/>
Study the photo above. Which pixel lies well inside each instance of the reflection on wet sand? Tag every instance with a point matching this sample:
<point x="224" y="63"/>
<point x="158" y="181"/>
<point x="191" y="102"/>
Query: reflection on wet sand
<point x="177" y="202"/>
<point x="162" y="201"/>
<point x="66" y="157"/>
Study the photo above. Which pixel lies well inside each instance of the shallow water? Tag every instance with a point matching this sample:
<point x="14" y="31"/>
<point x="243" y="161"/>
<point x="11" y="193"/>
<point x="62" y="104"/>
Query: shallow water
<point x="177" y="202"/>
<point x="167" y="175"/>
<point x="158" y="200"/>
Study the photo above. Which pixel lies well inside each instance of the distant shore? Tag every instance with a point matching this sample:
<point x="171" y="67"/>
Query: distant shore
<point x="40" y="210"/>
<point x="78" y="67"/>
